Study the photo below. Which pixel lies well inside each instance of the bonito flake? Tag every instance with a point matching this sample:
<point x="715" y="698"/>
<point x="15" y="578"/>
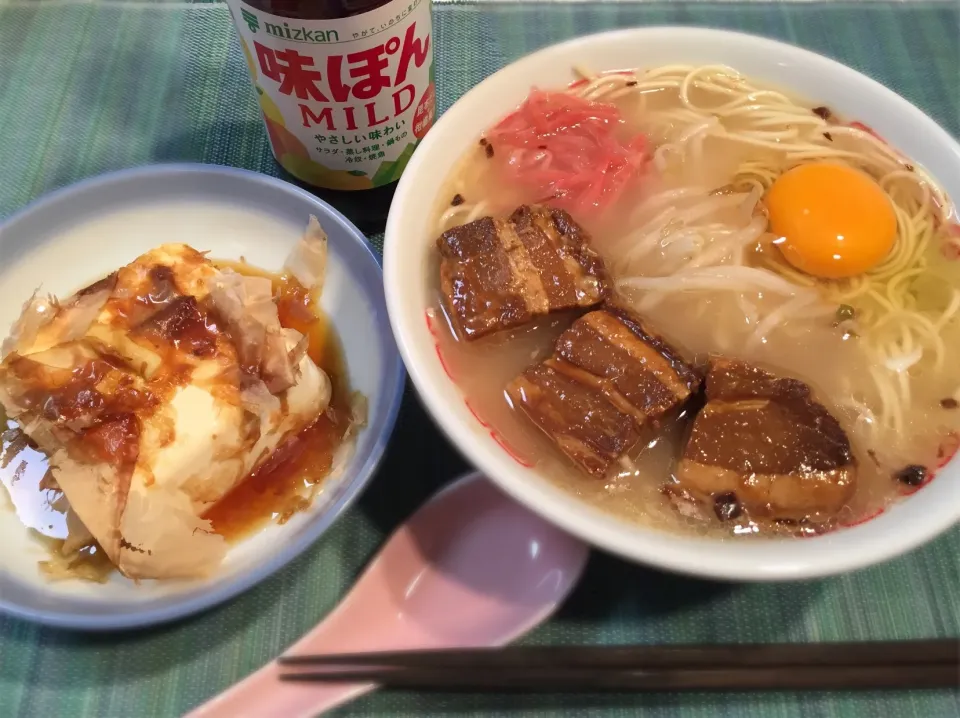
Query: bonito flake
<point x="155" y="391"/>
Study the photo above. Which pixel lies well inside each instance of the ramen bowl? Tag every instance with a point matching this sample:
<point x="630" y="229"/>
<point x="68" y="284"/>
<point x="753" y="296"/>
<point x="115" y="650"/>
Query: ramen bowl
<point x="411" y="289"/>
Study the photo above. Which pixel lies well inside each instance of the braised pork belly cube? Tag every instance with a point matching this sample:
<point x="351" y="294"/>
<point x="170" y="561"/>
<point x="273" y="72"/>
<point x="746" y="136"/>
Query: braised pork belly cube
<point x="762" y="444"/>
<point x="498" y="274"/>
<point x="590" y="430"/>
<point x="608" y="382"/>
<point x="633" y="368"/>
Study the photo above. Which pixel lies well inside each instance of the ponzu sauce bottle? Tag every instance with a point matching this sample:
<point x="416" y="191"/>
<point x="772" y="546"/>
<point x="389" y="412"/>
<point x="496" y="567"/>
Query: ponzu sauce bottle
<point x="346" y="89"/>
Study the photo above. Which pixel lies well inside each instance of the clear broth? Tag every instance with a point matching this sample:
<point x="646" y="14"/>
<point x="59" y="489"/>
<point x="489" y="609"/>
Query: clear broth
<point x="699" y="325"/>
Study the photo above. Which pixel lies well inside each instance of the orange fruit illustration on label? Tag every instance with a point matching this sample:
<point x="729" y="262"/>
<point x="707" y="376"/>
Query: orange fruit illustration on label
<point x="246" y="53"/>
<point x="315" y="173"/>
<point x="282" y="140"/>
<point x="269" y="107"/>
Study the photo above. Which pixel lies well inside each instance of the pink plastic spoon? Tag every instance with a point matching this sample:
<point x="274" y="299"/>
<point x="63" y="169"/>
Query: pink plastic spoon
<point x="470" y="568"/>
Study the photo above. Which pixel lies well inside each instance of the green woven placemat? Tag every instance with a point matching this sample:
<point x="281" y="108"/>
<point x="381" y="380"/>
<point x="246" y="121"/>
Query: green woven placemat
<point x="90" y="88"/>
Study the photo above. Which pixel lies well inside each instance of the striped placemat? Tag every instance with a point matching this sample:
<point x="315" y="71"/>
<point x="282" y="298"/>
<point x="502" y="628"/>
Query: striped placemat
<point x="91" y="87"/>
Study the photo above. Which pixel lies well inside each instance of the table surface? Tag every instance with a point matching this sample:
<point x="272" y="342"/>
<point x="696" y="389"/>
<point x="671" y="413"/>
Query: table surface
<point x="91" y="87"/>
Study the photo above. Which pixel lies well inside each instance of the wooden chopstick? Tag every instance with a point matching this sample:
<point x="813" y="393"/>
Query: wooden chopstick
<point x="824" y="666"/>
<point x="871" y="653"/>
<point x="581" y="680"/>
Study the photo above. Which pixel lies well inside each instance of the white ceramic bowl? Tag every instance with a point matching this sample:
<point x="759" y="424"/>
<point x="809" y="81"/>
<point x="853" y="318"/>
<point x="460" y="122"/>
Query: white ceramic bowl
<point x="80" y="233"/>
<point x="410" y="238"/>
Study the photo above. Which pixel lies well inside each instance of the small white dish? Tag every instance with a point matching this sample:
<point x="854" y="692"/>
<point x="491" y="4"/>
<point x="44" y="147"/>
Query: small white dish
<point x="410" y="238"/>
<point x="81" y="233"/>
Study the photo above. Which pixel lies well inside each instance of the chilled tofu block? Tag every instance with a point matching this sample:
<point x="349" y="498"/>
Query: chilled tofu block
<point x="500" y="274"/>
<point x="608" y="381"/>
<point x="763" y="444"/>
<point x="154" y="392"/>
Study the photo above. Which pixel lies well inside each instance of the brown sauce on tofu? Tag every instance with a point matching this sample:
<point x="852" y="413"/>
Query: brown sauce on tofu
<point x="185" y="326"/>
<point x="285" y="484"/>
<point x="103" y="398"/>
<point x="287" y="481"/>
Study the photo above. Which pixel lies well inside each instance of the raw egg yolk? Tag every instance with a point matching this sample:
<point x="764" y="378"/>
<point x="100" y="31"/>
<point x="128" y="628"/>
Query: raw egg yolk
<point x="831" y="221"/>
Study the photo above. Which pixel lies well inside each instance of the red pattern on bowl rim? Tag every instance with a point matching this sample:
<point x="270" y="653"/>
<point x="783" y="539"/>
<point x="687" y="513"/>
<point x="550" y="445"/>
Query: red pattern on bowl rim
<point x="495" y="435"/>
<point x="862" y="519"/>
<point x="946" y="451"/>
<point x="868" y="129"/>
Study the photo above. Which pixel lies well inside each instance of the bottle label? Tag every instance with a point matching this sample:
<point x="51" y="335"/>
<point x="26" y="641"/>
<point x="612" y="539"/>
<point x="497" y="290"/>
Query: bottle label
<point x="344" y="101"/>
